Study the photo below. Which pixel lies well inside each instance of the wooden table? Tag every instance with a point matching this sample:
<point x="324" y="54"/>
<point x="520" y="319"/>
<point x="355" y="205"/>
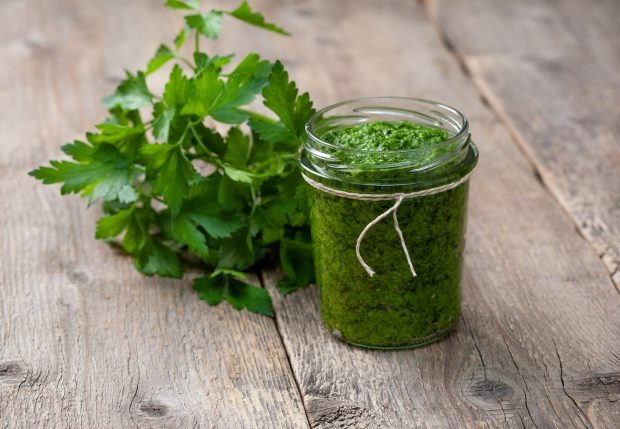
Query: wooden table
<point x="85" y="341"/>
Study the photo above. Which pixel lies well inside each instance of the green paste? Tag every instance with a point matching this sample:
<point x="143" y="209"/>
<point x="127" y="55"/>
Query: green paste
<point x="386" y="136"/>
<point x="393" y="308"/>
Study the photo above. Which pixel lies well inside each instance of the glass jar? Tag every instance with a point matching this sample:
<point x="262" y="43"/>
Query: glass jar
<point x="388" y="227"/>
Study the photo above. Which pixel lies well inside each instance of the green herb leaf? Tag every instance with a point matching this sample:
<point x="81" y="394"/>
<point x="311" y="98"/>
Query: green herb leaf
<point x="127" y="195"/>
<point x="180" y="39"/>
<point x="183" y="4"/>
<point x="177" y="88"/>
<point x="206" y="90"/>
<point x="237" y="252"/>
<point x="203" y="61"/>
<point x="162" y="56"/>
<point x="281" y="96"/>
<point x="215" y="289"/>
<point x="246" y="14"/>
<point x="113" y="133"/>
<point x="158" y="259"/>
<point x="212" y="96"/>
<point x="113" y="225"/>
<point x="201" y="214"/>
<point x="161" y="124"/>
<point x="298" y="264"/>
<point x="96" y="180"/>
<point x="238" y="175"/>
<point x="137" y="233"/>
<point x="131" y="94"/>
<point x="233" y="195"/>
<point x="78" y="150"/>
<point x="208" y="24"/>
<point x="243" y="84"/>
<point x="237" y="148"/>
<point x="174" y="188"/>
<point x="174" y="172"/>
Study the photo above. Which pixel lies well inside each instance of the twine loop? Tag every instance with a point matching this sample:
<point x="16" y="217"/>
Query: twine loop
<point x="398" y="198"/>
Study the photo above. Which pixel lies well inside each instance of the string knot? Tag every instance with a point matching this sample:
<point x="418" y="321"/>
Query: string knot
<point x="398" y="197"/>
<point x="393" y="210"/>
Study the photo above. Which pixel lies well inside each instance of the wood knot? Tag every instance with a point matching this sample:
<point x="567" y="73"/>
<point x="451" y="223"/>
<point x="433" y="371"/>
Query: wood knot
<point x="598" y="386"/>
<point x="154" y="409"/>
<point x="77" y="276"/>
<point x="328" y="413"/>
<point x="305" y="12"/>
<point x="13" y="372"/>
<point x="491" y="390"/>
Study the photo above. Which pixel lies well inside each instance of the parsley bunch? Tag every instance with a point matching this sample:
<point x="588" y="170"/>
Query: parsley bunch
<point x="177" y="192"/>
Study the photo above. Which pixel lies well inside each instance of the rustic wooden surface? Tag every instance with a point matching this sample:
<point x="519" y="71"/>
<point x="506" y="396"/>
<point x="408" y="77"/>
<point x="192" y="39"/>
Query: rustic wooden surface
<point x="551" y="72"/>
<point x="87" y="342"/>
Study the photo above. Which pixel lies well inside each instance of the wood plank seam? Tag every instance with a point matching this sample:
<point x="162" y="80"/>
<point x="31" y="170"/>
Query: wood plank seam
<point x="582" y="415"/>
<point x="259" y="274"/>
<point x="493" y="103"/>
<point x="495" y="106"/>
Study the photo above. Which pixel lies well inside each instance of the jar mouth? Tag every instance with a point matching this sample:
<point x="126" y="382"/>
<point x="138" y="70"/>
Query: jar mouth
<point x="372" y="170"/>
<point x="437" y="115"/>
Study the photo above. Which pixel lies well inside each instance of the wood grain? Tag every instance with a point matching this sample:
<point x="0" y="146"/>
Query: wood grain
<point x="539" y="342"/>
<point x="551" y="72"/>
<point x="85" y="340"/>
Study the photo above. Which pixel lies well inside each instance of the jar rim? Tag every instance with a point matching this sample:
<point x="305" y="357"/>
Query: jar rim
<point x="460" y="134"/>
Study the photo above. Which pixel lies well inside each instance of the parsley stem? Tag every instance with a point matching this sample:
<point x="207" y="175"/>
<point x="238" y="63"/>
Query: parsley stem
<point x="197" y="41"/>
<point x="258" y="116"/>
<point x="210" y="156"/>
<point x="187" y="62"/>
<point x="254" y="204"/>
<point x="183" y="135"/>
<point x="270" y="161"/>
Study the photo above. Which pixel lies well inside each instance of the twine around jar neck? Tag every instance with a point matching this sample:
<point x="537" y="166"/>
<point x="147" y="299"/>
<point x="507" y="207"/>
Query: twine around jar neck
<point x="398" y="198"/>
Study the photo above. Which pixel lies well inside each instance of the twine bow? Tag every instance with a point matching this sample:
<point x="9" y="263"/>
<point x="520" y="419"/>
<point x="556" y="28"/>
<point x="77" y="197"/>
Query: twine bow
<point x="399" y="197"/>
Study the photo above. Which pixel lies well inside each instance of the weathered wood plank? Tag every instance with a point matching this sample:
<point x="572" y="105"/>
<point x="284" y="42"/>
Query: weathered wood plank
<point x="550" y="70"/>
<point x="539" y="342"/>
<point x="85" y="340"/>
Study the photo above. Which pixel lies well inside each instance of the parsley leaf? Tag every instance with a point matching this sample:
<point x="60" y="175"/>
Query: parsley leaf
<point x="281" y="97"/>
<point x="162" y="121"/>
<point x="237" y="252"/>
<point x="206" y="90"/>
<point x="177" y="88"/>
<point x="208" y="24"/>
<point x="183" y="4"/>
<point x="112" y="225"/>
<point x="237" y="148"/>
<point x="199" y="215"/>
<point x="218" y="288"/>
<point x="203" y="61"/>
<point x="174" y="172"/>
<point x="102" y="175"/>
<point x="114" y="133"/>
<point x="157" y="258"/>
<point x="243" y="84"/>
<point x="244" y="13"/>
<point x="162" y="56"/>
<point x="179" y="40"/>
<point x="78" y="150"/>
<point x="131" y="94"/>
<point x="212" y="96"/>
<point x="298" y="265"/>
<point x="175" y="188"/>
<point x="75" y="177"/>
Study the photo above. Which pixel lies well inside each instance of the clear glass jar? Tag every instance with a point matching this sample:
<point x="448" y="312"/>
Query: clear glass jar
<point x="395" y="307"/>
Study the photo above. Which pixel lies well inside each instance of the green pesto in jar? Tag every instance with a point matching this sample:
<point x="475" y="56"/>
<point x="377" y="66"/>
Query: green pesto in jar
<point x="392" y="308"/>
